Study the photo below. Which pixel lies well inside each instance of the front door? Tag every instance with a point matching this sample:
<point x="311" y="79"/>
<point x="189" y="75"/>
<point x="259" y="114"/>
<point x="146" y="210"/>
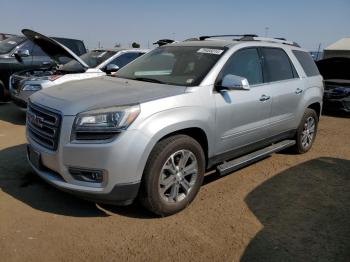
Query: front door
<point x="242" y="116"/>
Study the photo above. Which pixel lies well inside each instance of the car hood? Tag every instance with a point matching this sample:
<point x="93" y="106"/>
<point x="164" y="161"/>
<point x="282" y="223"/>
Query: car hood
<point x="334" y="68"/>
<point x="52" y="48"/>
<point x="78" y="96"/>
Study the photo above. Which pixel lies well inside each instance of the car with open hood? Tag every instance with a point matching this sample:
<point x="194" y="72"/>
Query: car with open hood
<point x="19" y="53"/>
<point x="151" y="132"/>
<point x="336" y="75"/>
<point x="95" y="63"/>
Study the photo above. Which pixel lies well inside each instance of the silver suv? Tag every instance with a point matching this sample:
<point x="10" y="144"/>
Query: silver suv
<point x="170" y="115"/>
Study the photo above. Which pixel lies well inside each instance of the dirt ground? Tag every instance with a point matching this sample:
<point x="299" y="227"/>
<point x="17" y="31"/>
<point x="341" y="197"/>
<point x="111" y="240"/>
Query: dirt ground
<point x="284" y="208"/>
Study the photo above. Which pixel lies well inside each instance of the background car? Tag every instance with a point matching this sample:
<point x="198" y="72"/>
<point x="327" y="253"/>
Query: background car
<point x="336" y="75"/>
<point x="18" y="53"/>
<point x="4" y="36"/>
<point x="95" y="63"/>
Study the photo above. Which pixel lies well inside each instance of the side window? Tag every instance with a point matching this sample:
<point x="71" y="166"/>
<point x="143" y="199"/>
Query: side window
<point x="306" y="62"/>
<point x="277" y="65"/>
<point x="125" y="59"/>
<point x="37" y="51"/>
<point x="244" y="63"/>
<point x="27" y="45"/>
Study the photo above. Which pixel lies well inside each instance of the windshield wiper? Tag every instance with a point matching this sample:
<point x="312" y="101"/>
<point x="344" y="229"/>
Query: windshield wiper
<point x="146" y="79"/>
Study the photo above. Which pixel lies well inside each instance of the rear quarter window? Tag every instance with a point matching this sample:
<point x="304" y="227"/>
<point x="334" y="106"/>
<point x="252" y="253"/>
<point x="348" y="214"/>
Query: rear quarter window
<point x="306" y="62"/>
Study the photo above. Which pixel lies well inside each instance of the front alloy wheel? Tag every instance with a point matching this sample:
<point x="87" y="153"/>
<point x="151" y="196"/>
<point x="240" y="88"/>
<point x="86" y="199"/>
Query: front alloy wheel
<point x="178" y="176"/>
<point x="173" y="175"/>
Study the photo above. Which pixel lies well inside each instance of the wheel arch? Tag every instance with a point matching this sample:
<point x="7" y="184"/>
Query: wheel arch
<point x="317" y="107"/>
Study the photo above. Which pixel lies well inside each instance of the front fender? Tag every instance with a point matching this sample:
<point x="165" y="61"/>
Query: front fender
<point x="173" y="120"/>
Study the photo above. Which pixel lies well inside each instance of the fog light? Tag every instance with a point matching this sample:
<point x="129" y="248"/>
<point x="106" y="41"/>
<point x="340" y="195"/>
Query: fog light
<point x="91" y="176"/>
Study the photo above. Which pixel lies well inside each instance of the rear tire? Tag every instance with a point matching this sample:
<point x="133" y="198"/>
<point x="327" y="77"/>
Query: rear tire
<point x="173" y="175"/>
<point x="306" y="132"/>
<point x="3" y="94"/>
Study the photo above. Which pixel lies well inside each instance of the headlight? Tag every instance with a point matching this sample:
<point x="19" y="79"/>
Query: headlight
<point x="112" y="119"/>
<point x="31" y="87"/>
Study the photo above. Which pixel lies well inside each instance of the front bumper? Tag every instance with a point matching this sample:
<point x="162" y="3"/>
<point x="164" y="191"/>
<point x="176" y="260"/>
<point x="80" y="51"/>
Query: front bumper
<point x="123" y="161"/>
<point x="122" y="194"/>
<point x="21" y="99"/>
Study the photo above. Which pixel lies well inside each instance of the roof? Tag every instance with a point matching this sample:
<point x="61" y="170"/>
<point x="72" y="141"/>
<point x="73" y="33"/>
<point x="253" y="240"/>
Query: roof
<point x="342" y="44"/>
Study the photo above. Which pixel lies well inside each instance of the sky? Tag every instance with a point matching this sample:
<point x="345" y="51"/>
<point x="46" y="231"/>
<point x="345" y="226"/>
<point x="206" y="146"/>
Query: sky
<point x="107" y="22"/>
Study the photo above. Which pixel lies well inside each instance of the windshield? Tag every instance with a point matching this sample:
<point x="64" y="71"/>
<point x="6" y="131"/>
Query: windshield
<point x="173" y="65"/>
<point x="92" y="59"/>
<point x="9" y="44"/>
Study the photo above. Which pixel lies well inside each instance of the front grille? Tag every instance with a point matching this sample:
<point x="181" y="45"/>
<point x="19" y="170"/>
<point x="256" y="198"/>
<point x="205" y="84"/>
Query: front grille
<point x="43" y="125"/>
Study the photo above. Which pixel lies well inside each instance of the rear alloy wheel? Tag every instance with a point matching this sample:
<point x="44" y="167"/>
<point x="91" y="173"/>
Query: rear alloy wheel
<point x="306" y="132"/>
<point x="173" y="175"/>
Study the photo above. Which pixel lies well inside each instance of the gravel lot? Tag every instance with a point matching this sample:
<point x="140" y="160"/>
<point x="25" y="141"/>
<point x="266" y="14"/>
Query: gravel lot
<point x="284" y="208"/>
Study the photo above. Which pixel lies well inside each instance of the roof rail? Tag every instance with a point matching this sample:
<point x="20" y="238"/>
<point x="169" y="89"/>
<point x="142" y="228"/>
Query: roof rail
<point x="278" y="40"/>
<point x="253" y="37"/>
<point x="211" y="36"/>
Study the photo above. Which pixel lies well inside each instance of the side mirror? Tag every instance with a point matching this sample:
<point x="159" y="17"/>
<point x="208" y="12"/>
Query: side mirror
<point x="111" y="68"/>
<point x="21" y="53"/>
<point x="233" y="82"/>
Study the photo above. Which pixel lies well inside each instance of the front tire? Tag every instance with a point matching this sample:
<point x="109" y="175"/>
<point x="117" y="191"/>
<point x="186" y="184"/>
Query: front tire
<point x="306" y="132"/>
<point x="4" y="96"/>
<point x="173" y="175"/>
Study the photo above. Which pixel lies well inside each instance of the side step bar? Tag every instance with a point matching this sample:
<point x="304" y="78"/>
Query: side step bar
<point x="245" y="160"/>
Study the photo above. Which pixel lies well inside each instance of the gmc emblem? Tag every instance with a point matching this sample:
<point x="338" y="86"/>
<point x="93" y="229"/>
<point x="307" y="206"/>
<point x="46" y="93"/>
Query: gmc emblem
<point x="34" y="119"/>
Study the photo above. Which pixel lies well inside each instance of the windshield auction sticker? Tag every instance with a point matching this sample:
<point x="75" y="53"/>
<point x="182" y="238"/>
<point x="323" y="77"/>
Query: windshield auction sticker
<point x="210" y="51"/>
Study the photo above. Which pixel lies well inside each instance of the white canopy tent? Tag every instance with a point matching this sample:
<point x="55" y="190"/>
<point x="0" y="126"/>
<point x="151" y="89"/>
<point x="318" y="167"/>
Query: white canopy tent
<point x="341" y="48"/>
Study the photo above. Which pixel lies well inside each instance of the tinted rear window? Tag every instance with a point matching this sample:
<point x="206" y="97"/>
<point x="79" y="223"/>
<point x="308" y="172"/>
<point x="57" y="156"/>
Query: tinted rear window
<point x="306" y="62"/>
<point x="277" y="65"/>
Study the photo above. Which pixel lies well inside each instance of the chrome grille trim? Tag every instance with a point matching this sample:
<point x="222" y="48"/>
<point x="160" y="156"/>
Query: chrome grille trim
<point x="43" y="125"/>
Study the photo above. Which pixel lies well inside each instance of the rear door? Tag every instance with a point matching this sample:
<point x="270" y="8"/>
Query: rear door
<point x="242" y="116"/>
<point x="286" y="89"/>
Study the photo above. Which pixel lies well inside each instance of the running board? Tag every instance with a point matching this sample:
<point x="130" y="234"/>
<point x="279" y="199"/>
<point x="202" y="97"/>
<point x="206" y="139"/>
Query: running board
<point x="245" y="160"/>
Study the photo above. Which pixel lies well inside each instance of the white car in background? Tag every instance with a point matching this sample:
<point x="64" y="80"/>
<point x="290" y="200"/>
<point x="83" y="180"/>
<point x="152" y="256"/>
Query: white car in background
<point x="96" y="63"/>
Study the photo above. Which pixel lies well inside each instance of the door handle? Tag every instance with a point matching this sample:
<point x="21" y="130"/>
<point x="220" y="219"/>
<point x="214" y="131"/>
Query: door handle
<point x="298" y="91"/>
<point x="46" y="63"/>
<point x="264" y="98"/>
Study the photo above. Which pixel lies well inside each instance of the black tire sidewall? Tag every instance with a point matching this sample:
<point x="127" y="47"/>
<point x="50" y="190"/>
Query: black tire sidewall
<point x="158" y="157"/>
<point x="2" y="93"/>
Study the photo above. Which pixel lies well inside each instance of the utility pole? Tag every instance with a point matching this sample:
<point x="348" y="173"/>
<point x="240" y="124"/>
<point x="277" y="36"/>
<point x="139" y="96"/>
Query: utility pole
<point x="267" y="31"/>
<point x="318" y="51"/>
